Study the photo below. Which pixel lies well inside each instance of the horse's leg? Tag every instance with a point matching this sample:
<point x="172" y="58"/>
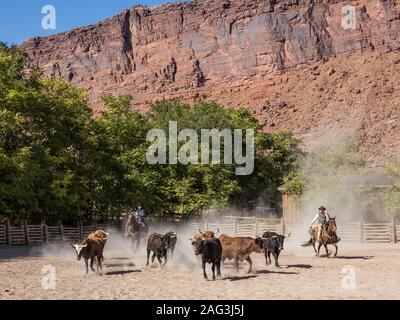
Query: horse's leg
<point x="319" y="248"/>
<point x="326" y="250"/>
<point x="153" y="257"/>
<point x="133" y="244"/>
<point x="138" y="245"/>
<point x="336" y="247"/>
<point x="315" y="250"/>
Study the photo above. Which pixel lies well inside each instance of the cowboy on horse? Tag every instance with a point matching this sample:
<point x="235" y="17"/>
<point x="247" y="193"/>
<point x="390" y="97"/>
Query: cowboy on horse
<point x="323" y="230"/>
<point x="136" y="228"/>
<point x="319" y="221"/>
<point x="140" y="215"/>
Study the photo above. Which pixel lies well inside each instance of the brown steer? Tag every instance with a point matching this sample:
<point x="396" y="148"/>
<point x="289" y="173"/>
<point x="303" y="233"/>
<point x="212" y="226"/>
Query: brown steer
<point x="239" y="249"/>
<point x="92" y="248"/>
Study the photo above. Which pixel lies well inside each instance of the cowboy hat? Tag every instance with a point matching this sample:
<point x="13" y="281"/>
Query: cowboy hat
<point x="321" y="208"/>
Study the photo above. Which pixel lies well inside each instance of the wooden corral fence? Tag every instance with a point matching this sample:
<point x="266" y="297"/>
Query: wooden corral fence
<point x="36" y="234"/>
<point x="240" y="226"/>
<point x="348" y="232"/>
<point x="236" y="226"/>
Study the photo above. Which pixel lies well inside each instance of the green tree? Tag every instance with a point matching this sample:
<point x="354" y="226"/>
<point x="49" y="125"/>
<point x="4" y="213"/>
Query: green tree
<point x="57" y="161"/>
<point x="196" y="187"/>
<point x="43" y="128"/>
<point x="391" y="195"/>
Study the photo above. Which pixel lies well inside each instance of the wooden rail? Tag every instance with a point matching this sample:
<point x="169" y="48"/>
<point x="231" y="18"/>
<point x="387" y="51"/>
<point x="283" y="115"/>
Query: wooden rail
<point x="348" y="232"/>
<point x="25" y="234"/>
<point x="36" y="234"/>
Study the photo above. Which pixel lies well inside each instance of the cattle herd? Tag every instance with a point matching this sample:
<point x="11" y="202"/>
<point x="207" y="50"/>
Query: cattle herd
<point x="207" y="247"/>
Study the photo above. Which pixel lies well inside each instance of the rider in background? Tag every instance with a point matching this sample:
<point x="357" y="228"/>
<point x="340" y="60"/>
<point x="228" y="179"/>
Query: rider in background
<point x="320" y="219"/>
<point x="140" y="214"/>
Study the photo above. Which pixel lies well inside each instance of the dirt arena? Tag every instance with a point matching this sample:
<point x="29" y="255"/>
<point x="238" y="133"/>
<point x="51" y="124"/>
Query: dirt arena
<point x="301" y="276"/>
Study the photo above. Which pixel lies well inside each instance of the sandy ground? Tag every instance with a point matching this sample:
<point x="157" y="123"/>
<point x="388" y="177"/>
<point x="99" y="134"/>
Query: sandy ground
<point x="361" y="271"/>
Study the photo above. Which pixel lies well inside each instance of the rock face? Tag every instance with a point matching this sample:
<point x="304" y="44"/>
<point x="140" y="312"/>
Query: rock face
<point x="238" y="52"/>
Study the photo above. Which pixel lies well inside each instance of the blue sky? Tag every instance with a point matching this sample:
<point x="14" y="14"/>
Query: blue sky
<point x="21" y="20"/>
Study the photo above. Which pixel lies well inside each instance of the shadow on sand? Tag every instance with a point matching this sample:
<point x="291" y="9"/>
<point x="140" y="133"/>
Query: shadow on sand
<point x="355" y="257"/>
<point x="114" y="273"/>
<point x="300" y="266"/>
<point x="114" y="265"/>
<point x="276" y="272"/>
<point x="238" y="278"/>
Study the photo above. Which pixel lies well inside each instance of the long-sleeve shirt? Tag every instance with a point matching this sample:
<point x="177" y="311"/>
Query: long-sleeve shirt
<point x="320" y="218"/>
<point x="140" y="214"/>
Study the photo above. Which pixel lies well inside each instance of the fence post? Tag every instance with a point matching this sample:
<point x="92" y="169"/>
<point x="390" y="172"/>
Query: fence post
<point x="361" y="226"/>
<point x="206" y="225"/>
<point x="8" y="231"/>
<point x="26" y="232"/>
<point x="235" y="227"/>
<point x="256" y="227"/>
<point x="45" y="231"/>
<point x="80" y="229"/>
<point x="60" y="226"/>
<point x="282" y="226"/>
<point x="394" y="232"/>
<point x="94" y="225"/>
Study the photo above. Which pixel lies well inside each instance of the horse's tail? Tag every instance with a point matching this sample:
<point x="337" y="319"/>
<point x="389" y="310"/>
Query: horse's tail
<point x="307" y="244"/>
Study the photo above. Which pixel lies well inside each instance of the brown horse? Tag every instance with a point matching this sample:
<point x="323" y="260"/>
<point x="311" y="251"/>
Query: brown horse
<point x="328" y="236"/>
<point x="136" y="231"/>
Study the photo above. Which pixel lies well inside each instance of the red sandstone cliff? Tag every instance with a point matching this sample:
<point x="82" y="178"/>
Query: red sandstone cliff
<point x="291" y="62"/>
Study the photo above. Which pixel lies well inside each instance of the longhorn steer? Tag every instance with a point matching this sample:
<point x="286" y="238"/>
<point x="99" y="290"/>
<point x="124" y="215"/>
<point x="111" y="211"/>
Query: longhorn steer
<point x="210" y="251"/>
<point x="173" y="241"/>
<point x="273" y="243"/>
<point x="92" y="248"/>
<point x="239" y="249"/>
<point x="159" y="244"/>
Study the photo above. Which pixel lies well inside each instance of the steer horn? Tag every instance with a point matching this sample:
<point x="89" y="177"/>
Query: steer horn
<point x="288" y="235"/>
<point x="217" y="231"/>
